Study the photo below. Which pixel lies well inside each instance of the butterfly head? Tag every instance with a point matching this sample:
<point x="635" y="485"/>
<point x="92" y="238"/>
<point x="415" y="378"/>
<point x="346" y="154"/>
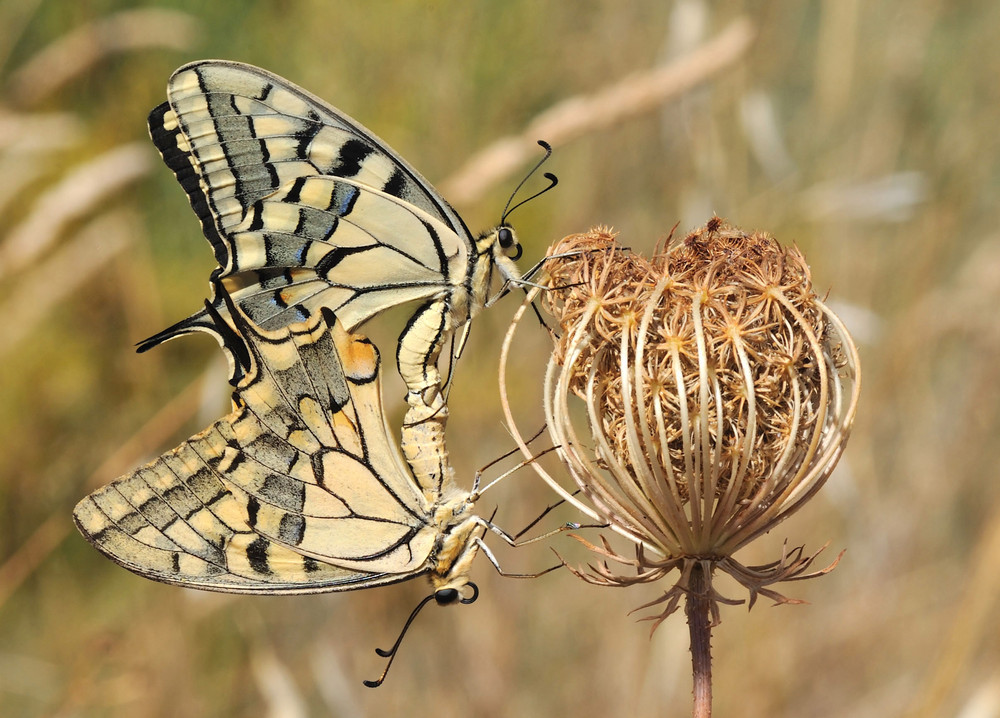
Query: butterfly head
<point x="443" y="597"/>
<point x="507" y="241"/>
<point x="502" y="240"/>
<point x="456" y="547"/>
<point x="500" y="243"/>
<point x="450" y="596"/>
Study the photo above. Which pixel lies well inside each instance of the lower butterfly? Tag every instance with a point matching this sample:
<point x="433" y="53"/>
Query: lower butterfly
<point x="299" y="490"/>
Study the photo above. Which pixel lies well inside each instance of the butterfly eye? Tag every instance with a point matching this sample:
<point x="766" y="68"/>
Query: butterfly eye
<point x="508" y="242"/>
<point x="446" y="596"/>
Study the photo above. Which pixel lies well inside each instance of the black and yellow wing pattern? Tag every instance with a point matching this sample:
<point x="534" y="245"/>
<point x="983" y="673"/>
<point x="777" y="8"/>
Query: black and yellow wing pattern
<point x="305" y="208"/>
<point x="299" y="490"/>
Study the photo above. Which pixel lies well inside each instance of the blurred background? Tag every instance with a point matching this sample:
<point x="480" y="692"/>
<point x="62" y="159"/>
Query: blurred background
<point x="865" y="132"/>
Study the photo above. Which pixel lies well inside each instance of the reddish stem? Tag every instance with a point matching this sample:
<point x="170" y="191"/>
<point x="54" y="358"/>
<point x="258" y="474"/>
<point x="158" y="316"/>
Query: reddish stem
<point x="698" y="613"/>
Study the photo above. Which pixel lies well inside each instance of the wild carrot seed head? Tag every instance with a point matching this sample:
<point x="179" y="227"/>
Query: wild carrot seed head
<point x="718" y="391"/>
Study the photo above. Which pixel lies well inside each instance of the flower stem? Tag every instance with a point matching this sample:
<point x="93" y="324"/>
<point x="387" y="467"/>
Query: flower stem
<point x="697" y="609"/>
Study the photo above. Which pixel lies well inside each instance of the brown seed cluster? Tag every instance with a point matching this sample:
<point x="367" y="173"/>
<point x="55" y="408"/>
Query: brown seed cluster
<point x="697" y="399"/>
<point x="721" y="311"/>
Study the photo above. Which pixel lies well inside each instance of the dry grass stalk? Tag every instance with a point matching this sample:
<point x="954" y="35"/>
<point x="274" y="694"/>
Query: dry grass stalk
<point x="77" y="52"/>
<point x="585" y="114"/>
<point x="82" y="191"/>
<point x="37" y="290"/>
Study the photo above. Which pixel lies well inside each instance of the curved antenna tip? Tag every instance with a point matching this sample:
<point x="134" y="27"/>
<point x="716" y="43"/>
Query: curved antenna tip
<point x="473" y="597"/>
<point x="391" y="652"/>
<point x="548" y="175"/>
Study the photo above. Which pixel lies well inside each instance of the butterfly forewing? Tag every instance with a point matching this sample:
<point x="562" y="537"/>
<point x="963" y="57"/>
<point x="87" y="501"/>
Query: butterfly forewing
<point x="251" y="123"/>
<point x="298" y="490"/>
<point x="354" y="255"/>
<point x="280" y="180"/>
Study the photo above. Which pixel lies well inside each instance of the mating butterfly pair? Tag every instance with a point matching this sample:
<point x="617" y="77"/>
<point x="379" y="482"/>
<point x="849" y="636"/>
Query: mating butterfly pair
<point x="317" y="227"/>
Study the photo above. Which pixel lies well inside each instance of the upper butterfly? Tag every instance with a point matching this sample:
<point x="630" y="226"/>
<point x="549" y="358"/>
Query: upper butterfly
<point x="305" y="208"/>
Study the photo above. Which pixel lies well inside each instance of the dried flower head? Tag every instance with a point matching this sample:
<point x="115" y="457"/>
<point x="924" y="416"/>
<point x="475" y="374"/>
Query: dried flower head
<point x="717" y="392"/>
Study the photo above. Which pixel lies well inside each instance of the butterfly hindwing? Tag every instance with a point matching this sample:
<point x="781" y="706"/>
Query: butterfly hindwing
<point x="298" y="490"/>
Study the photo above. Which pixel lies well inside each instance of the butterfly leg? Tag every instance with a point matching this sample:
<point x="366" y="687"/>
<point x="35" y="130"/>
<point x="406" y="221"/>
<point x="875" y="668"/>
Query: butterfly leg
<point x="481" y="545"/>
<point x="512" y="541"/>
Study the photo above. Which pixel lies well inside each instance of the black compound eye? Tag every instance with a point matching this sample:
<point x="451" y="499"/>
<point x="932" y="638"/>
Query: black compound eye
<point x="505" y="237"/>
<point x="446" y="596"/>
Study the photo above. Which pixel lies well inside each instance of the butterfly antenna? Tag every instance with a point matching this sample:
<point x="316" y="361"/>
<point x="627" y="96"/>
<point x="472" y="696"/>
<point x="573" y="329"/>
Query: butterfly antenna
<point x="444" y="596"/>
<point x="553" y="181"/>
<point x="391" y="653"/>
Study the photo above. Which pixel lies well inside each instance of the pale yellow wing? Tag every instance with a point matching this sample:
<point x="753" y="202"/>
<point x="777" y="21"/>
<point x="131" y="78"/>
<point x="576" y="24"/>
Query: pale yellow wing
<point x="306" y="209"/>
<point x="303" y="206"/>
<point x="298" y="490"/>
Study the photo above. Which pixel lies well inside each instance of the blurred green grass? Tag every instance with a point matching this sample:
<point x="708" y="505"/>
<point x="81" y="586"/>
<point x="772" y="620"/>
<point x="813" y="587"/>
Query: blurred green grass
<point x="864" y="132"/>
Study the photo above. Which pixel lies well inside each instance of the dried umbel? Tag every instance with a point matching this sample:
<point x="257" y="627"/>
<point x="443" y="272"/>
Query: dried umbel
<point x="697" y="399"/>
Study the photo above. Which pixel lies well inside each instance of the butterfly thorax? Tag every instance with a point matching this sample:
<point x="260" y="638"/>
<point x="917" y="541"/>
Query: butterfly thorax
<point x="455" y="547"/>
<point x="491" y="248"/>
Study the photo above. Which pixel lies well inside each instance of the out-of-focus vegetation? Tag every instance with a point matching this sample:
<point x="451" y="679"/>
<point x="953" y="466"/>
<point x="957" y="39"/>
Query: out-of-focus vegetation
<point x="864" y="132"/>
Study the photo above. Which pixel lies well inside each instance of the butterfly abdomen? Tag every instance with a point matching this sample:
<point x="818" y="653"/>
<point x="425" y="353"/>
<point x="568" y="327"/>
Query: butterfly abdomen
<point x="423" y="433"/>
